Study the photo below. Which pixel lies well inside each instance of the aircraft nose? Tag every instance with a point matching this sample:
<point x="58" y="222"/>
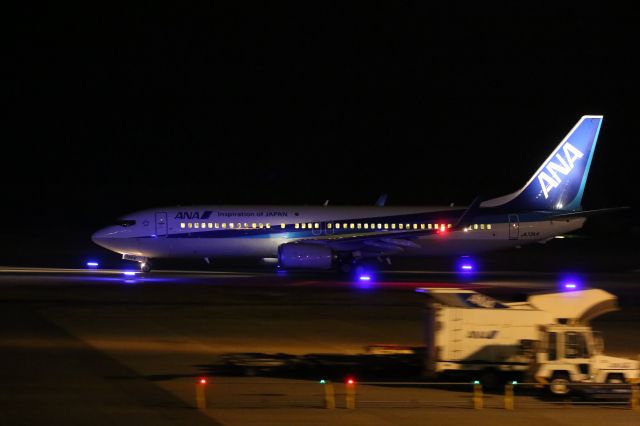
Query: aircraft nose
<point x="100" y="238"/>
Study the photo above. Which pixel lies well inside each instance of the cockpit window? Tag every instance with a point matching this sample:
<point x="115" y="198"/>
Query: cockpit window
<point x="126" y="222"/>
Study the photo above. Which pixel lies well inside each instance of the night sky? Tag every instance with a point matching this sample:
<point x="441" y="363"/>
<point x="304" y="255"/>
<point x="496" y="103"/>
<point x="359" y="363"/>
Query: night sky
<point x="122" y="107"/>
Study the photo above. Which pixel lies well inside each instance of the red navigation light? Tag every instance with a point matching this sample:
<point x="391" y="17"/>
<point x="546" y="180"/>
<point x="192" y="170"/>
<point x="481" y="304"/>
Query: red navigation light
<point x="350" y="381"/>
<point x="203" y="381"/>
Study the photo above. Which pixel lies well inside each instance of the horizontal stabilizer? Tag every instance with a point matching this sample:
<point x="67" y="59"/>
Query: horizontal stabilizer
<point x="588" y="213"/>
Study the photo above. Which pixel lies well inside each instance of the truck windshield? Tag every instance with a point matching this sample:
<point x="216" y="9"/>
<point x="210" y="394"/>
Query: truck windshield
<point x="575" y="345"/>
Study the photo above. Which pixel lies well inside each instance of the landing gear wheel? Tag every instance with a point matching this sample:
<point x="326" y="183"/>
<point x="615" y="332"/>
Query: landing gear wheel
<point x="145" y="266"/>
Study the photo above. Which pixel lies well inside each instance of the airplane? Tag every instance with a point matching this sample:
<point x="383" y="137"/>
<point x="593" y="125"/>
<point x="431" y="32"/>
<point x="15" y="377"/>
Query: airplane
<point x="326" y="237"/>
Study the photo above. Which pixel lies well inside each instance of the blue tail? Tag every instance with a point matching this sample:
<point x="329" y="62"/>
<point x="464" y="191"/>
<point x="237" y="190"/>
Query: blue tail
<point x="559" y="183"/>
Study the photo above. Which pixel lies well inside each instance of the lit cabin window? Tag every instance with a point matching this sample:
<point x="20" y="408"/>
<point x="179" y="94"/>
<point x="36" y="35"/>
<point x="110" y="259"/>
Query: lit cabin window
<point x="407" y="225"/>
<point x="297" y="225"/>
<point x="401" y="226"/>
<point x="254" y="225"/>
<point x="196" y="225"/>
<point x="224" y="225"/>
<point x="345" y="226"/>
<point x="366" y="226"/>
<point x="209" y="225"/>
<point x="268" y="225"/>
<point x="393" y="226"/>
<point x="190" y="225"/>
<point x="231" y="225"/>
<point x="261" y="225"/>
<point x="359" y="226"/>
<point x="246" y="226"/>
<point x="415" y="226"/>
<point x="215" y="225"/>
<point x="489" y="226"/>
<point x="304" y="226"/>
<point x="182" y="225"/>
<point x="449" y="225"/>
<point x="422" y="226"/>
<point x="337" y="226"/>
<point x="282" y="225"/>
<point x="386" y="226"/>
<point x="310" y="225"/>
<point x="482" y="226"/>
<point x="429" y="226"/>
<point x="379" y="226"/>
<point x="352" y="225"/>
<point x="316" y="225"/>
<point x="329" y="225"/>
<point x="475" y="226"/>
<point x="204" y="225"/>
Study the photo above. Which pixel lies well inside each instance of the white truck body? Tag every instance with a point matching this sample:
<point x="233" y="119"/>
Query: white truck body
<point x="547" y="338"/>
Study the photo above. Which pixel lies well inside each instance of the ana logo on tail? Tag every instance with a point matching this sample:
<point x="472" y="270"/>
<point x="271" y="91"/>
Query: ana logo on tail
<point x="550" y="179"/>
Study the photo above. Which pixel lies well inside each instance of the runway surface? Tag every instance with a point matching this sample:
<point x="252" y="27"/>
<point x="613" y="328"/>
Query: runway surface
<point x="102" y="347"/>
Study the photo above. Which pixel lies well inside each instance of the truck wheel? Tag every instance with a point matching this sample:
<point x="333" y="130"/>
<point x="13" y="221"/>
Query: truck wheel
<point x="559" y="384"/>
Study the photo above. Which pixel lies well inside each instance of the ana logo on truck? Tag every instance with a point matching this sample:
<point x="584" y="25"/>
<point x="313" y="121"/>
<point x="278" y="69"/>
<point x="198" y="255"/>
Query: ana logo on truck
<point x="477" y="334"/>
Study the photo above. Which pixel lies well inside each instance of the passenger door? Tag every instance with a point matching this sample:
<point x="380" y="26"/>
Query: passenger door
<point x="161" y="224"/>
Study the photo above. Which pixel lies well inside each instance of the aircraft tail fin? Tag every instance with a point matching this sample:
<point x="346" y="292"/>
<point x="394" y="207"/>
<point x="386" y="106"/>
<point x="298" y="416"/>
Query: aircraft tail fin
<point x="559" y="182"/>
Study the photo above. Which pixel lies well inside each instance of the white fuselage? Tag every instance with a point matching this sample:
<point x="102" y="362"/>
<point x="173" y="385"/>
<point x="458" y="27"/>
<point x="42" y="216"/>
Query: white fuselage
<point x="258" y="231"/>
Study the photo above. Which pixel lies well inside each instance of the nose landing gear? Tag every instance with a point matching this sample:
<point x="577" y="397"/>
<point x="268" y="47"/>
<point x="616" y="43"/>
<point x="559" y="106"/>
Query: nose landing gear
<point x="145" y="265"/>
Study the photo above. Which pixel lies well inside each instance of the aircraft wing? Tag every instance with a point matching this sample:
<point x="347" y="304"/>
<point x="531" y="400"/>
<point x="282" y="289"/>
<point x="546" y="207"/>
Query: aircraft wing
<point x="387" y="242"/>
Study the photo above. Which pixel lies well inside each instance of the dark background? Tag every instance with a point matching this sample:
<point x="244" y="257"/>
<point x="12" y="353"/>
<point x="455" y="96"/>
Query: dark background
<point x="119" y="107"/>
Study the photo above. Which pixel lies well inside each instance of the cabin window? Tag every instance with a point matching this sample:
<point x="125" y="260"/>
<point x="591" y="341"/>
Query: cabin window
<point x="386" y="226"/>
<point x="196" y="225"/>
<point x="489" y="226"/>
<point x="352" y="226"/>
<point x="359" y="226"/>
<point x="337" y="226"/>
<point x="475" y="226"/>
<point x="254" y="225"/>
<point x="231" y="225"/>
<point x="182" y="225"/>
<point x="422" y="226"/>
<point x="415" y="226"/>
<point x="449" y="225"/>
<point x="366" y="226"/>
<point x="316" y="225"/>
<point x="393" y="226"/>
<point x="268" y="225"/>
<point x="282" y="225"/>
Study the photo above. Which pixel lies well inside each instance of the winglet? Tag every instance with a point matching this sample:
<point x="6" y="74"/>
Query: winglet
<point x="381" y="200"/>
<point x="467" y="215"/>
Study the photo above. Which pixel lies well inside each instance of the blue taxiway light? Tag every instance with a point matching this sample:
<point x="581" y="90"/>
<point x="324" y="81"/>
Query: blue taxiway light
<point x="130" y="273"/>
<point x="365" y="278"/>
<point x="93" y="264"/>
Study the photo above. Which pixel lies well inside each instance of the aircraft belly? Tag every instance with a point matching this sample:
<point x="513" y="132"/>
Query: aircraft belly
<point x="211" y="247"/>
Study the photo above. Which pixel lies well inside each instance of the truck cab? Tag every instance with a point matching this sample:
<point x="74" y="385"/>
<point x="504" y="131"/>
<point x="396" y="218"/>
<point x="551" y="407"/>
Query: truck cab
<point x="574" y="353"/>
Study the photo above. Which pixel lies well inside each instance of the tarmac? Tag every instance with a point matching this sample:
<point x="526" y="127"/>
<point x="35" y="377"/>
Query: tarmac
<point x="101" y="347"/>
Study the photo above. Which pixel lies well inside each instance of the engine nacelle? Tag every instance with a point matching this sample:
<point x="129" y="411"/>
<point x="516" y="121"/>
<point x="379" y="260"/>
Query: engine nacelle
<point x="309" y="256"/>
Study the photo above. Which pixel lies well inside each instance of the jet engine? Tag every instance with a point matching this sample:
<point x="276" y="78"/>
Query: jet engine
<point x="305" y="256"/>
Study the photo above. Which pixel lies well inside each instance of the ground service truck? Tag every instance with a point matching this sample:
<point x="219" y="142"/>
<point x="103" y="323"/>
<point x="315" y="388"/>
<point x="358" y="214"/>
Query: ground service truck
<point x="547" y="338"/>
